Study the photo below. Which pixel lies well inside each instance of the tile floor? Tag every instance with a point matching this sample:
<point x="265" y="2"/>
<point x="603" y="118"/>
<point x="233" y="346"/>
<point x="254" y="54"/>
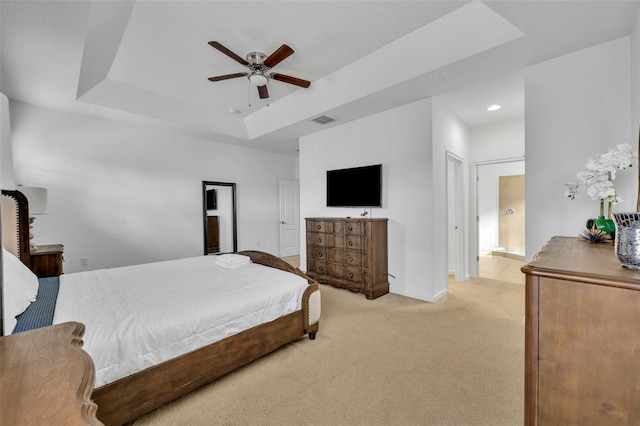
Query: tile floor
<point x="501" y="268"/>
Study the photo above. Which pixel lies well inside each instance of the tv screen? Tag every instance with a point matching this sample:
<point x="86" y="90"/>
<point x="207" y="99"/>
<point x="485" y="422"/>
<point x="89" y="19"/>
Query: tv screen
<point x="355" y="187"/>
<point x="212" y="202"/>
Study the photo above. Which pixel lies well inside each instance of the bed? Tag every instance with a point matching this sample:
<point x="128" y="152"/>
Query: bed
<point x="263" y="305"/>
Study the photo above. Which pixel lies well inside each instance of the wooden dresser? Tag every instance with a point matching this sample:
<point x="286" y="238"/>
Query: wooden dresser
<point x="582" y="345"/>
<point x="349" y="253"/>
<point x="46" y="378"/>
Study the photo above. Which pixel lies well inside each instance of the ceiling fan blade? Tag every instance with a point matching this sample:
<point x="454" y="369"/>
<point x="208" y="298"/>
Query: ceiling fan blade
<point x="263" y="92"/>
<point x="282" y="53"/>
<point x="291" y="80"/>
<point x="227" y="52"/>
<point x="228" y="76"/>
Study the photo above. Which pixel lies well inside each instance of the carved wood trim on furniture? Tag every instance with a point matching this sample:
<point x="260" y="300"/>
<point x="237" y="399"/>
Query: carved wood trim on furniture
<point x="15" y="225"/>
<point x="582" y="336"/>
<point x="46" y="377"/>
<point x="126" y="399"/>
<point x="349" y="253"/>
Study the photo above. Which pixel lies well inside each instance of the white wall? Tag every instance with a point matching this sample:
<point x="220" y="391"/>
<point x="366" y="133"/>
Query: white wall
<point x="575" y="106"/>
<point x="450" y="134"/>
<point x="400" y="140"/>
<point x="497" y="141"/>
<point x="6" y="164"/>
<point x="411" y="142"/>
<point x="635" y="80"/>
<point x="121" y="194"/>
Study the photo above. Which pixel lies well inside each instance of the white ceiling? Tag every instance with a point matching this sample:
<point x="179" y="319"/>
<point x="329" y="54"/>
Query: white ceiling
<point x="148" y="61"/>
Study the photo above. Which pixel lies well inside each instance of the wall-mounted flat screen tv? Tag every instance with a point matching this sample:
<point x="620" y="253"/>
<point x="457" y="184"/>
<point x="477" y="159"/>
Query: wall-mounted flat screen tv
<point x="355" y="187"/>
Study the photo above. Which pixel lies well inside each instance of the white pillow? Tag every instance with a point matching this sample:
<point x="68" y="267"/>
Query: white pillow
<point x="19" y="286"/>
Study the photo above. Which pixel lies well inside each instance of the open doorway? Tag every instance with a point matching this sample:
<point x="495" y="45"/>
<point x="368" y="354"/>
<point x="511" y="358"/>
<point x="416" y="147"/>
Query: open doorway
<point x="501" y="219"/>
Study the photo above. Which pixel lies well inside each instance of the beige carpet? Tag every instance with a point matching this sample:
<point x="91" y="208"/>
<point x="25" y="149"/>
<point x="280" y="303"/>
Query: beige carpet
<point x="390" y="361"/>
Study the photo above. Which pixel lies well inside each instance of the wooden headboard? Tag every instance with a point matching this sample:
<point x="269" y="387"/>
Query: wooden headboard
<point x="15" y="225"/>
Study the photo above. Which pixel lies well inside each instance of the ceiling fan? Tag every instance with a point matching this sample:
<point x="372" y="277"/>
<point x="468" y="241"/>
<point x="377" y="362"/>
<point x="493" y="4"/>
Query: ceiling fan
<point x="259" y="66"/>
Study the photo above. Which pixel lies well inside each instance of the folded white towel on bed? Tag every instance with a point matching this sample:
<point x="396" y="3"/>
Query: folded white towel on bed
<point x="232" y="258"/>
<point x="232" y="261"/>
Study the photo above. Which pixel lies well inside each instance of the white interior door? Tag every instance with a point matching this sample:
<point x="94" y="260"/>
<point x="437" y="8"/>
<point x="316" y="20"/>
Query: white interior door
<point x="289" y="218"/>
<point x="455" y="217"/>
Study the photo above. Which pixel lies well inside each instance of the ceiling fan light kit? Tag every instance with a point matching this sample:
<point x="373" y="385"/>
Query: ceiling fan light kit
<point x="259" y="66"/>
<point x="258" y="79"/>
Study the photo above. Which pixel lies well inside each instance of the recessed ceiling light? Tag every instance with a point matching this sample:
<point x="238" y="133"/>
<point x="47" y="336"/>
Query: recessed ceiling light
<point x="494" y="108"/>
<point x="234" y="111"/>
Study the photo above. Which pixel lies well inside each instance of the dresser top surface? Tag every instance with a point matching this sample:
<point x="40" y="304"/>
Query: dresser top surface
<point x="577" y="259"/>
<point x="347" y="219"/>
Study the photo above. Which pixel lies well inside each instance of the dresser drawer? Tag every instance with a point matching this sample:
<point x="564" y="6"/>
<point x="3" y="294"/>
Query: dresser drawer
<point x="321" y="226"/>
<point x="348" y="257"/>
<point x="352" y="273"/>
<point x="353" y="228"/>
<point x="317" y="252"/>
<point x="321" y="240"/>
<point x="353" y="242"/>
<point x="317" y="267"/>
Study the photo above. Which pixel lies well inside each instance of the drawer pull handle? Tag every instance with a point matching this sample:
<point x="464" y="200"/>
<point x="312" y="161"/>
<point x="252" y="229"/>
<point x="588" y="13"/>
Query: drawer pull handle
<point x="320" y="254"/>
<point x="350" y="243"/>
<point x="320" y="268"/>
<point x="350" y="259"/>
<point x="319" y="240"/>
<point x="350" y="274"/>
<point x="350" y="228"/>
<point x="319" y="226"/>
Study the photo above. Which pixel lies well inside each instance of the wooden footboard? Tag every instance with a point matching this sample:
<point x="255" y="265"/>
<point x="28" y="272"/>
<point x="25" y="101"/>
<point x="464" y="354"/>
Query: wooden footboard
<point x="311" y="298"/>
<point x="126" y="399"/>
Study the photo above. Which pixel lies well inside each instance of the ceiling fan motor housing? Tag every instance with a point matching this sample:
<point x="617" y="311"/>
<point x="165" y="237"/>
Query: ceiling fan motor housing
<point x="256" y="58"/>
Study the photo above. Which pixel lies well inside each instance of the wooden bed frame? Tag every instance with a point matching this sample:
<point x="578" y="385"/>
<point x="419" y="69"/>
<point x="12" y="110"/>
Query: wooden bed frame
<point x="128" y="398"/>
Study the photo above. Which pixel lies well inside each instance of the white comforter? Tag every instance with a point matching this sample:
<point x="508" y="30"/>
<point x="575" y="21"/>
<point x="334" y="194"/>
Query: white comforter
<point x="140" y="316"/>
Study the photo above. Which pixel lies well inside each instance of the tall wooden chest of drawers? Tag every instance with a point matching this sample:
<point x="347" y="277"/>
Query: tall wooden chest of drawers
<point x="582" y="344"/>
<point x="349" y="253"/>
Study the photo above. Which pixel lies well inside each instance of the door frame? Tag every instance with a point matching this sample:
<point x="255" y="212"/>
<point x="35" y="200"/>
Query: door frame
<point x="474" y="246"/>
<point x="458" y="214"/>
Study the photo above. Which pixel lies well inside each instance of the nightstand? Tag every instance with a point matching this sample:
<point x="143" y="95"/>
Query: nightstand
<point x="46" y="261"/>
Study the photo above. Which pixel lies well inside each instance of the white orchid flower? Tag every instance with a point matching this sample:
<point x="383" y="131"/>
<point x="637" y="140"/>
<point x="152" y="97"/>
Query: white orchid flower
<point x="601" y="190"/>
<point x="572" y="189"/>
<point x="601" y="171"/>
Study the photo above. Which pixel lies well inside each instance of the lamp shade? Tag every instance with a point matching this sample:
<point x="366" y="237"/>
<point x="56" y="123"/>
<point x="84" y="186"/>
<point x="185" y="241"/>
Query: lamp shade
<point x="37" y="198"/>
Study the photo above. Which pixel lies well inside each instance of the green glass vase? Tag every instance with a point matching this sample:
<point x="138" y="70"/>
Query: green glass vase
<point x="607" y="226"/>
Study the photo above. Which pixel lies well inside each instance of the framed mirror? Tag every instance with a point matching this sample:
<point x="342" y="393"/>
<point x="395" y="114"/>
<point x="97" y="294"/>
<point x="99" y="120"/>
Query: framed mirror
<point x="219" y="217"/>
